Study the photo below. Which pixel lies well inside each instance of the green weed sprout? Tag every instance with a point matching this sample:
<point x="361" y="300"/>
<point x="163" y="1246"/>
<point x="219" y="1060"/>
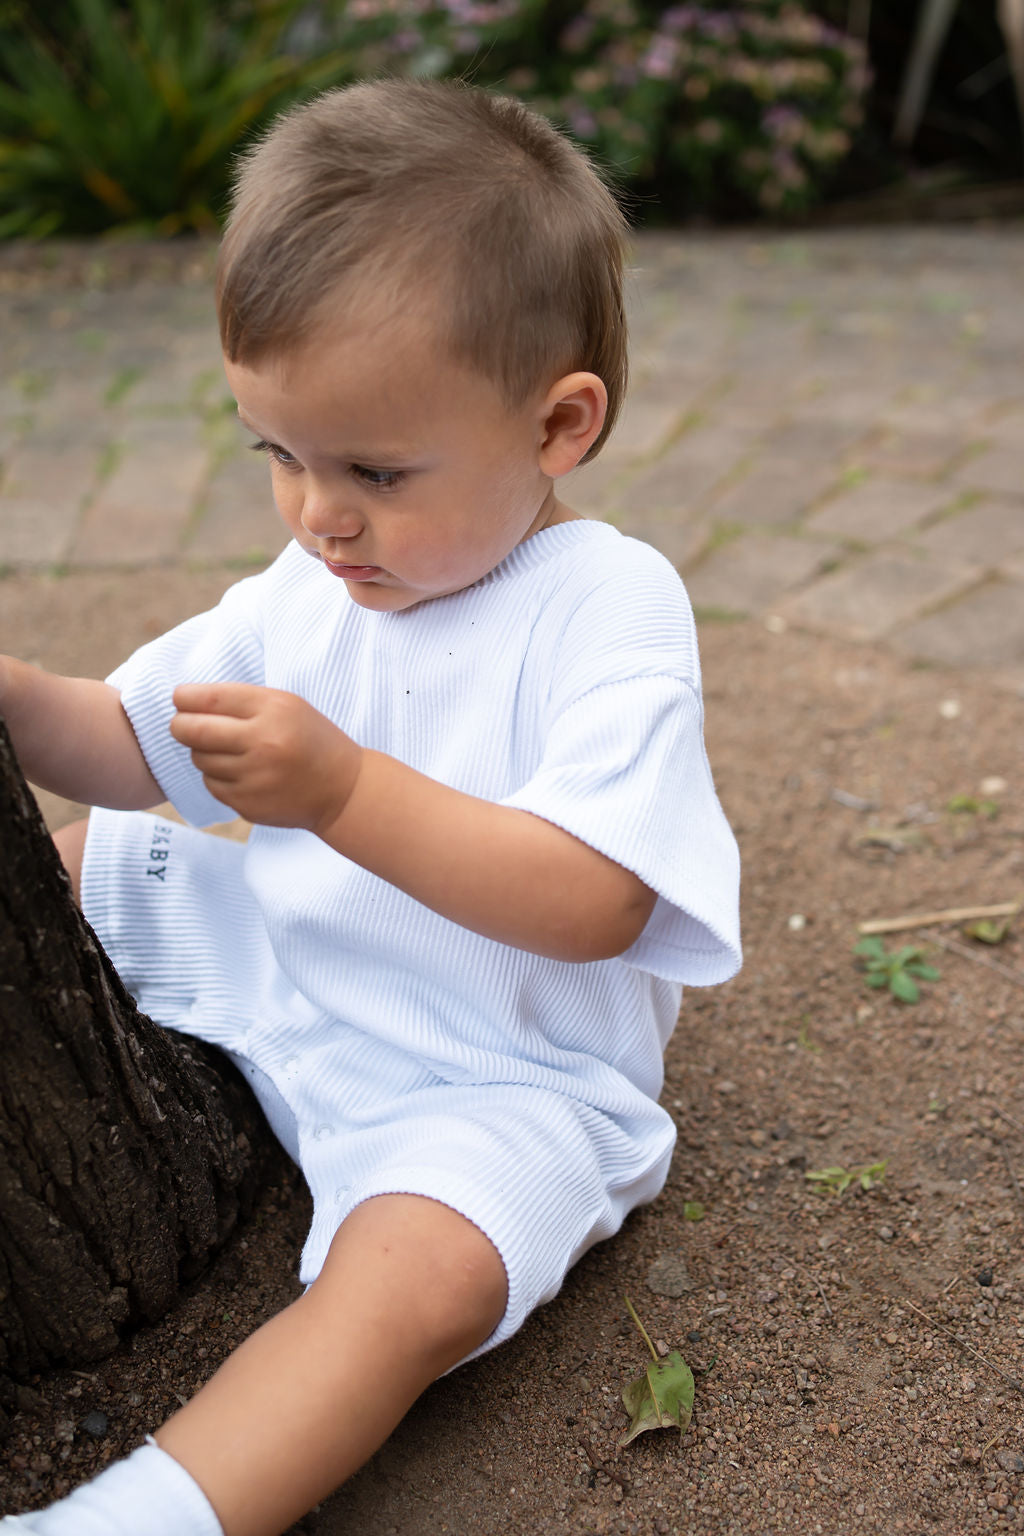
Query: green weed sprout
<point x="838" y="1180"/>
<point x="895" y="969"/>
<point x="971" y="805"/>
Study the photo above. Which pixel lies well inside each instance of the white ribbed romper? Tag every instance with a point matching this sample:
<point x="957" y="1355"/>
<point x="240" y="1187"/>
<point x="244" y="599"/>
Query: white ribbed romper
<point x="393" y="1050"/>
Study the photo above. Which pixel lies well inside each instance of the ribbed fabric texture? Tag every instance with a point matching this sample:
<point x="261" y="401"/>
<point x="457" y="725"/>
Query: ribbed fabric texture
<point x="411" y="1053"/>
<point x="148" y="1494"/>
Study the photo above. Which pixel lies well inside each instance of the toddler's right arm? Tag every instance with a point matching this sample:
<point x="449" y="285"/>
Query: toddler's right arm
<point x="73" y="737"/>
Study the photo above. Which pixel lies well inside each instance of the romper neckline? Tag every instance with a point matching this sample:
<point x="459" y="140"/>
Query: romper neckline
<point x="542" y="547"/>
<point x="545" y="544"/>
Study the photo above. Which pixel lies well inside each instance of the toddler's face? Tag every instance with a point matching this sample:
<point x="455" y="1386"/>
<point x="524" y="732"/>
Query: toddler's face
<point x="404" y="473"/>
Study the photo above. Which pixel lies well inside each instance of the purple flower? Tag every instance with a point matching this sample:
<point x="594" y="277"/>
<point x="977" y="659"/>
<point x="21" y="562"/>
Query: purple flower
<point x="660" y="60"/>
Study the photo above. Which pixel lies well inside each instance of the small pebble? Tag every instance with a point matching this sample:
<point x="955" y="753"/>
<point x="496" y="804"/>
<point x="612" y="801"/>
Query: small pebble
<point x="984" y="1277"/>
<point x="669" y="1276"/>
<point x="1010" y="1461"/>
<point x="950" y="709"/>
<point x="886" y="1234"/>
<point x="94" y="1423"/>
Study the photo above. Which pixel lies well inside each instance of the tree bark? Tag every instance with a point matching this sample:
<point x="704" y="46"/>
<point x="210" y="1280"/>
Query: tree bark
<point x="128" y="1153"/>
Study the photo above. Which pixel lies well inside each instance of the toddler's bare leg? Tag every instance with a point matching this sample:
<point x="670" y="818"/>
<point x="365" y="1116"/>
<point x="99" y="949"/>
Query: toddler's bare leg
<point x="69" y="842"/>
<point x="409" y="1288"/>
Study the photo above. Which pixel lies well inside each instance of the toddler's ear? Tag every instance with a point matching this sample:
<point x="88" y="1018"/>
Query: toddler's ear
<point x="571" y="417"/>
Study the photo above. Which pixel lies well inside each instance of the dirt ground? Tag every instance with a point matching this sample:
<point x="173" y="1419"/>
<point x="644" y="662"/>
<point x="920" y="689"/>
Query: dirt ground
<point x="857" y="1357"/>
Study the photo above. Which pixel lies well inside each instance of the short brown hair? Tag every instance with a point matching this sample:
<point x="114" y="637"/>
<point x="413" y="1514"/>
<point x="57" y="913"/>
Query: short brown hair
<point x="436" y="183"/>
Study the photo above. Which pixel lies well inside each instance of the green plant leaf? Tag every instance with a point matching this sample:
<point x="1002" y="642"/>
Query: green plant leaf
<point x="693" y="1210"/>
<point x="838" y="1180"/>
<point x="191" y="79"/>
<point x="970" y="805"/>
<point x="904" y="955"/>
<point x="662" y="1398"/>
<point x="869" y="1177"/>
<point x="989" y="930"/>
<point x="904" y="987"/>
<point x="895" y="969"/>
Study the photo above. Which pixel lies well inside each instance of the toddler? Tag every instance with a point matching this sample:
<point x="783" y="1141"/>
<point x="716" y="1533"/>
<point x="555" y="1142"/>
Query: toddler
<point x="466" y="724"/>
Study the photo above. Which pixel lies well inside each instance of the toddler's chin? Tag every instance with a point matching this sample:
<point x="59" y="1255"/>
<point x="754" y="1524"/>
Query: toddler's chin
<point x="382" y="599"/>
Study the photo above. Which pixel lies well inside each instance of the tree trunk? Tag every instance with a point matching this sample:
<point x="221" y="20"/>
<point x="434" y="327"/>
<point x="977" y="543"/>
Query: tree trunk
<point x="127" y="1152"/>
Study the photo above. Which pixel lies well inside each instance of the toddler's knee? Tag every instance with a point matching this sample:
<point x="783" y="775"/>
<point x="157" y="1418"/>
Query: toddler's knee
<point x="435" y="1274"/>
<point x="460" y="1287"/>
<point x="475" y="1286"/>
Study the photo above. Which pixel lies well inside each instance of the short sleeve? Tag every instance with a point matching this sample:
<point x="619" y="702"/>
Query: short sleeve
<point x="223" y="644"/>
<point x="625" y="771"/>
<point x="622" y="764"/>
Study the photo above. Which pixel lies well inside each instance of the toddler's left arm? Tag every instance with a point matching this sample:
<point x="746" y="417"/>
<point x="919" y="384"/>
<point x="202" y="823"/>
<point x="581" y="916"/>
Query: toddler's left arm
<point x="498" y="871"/>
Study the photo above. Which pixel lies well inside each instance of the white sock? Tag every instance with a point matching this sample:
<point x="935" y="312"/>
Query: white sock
<point x="149" y="1494"/>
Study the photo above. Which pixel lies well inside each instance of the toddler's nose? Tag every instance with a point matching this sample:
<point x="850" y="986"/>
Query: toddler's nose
<point x="328" y="517"/>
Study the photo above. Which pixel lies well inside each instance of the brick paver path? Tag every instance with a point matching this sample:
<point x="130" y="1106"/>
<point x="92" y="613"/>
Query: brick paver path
<point x="824" y="430"/>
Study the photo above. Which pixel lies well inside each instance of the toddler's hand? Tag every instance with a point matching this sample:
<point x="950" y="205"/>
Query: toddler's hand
<point x="269" y="755"/>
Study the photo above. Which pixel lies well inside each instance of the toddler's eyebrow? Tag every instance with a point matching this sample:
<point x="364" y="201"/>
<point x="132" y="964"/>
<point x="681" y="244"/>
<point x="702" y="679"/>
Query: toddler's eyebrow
<point x="394" y="456"/>
<point x="250" y="425"/>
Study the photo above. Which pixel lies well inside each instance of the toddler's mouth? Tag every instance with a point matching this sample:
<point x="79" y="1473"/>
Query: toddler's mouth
<point x="352" y="572"/>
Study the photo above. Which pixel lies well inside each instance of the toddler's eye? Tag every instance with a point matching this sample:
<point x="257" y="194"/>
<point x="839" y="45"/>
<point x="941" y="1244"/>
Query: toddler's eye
<point x="378" y="479"/>
<point x="280" y="455"/>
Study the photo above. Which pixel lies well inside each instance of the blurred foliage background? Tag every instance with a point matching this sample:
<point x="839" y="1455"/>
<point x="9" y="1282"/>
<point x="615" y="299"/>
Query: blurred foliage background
<point x="123" y="115"/>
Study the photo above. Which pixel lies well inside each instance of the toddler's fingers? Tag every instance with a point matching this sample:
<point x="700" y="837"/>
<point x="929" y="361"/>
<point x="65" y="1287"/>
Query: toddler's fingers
<point x="216" y="768"/>
<point x="240" y="699"/>
<point x="208" y="733"/>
